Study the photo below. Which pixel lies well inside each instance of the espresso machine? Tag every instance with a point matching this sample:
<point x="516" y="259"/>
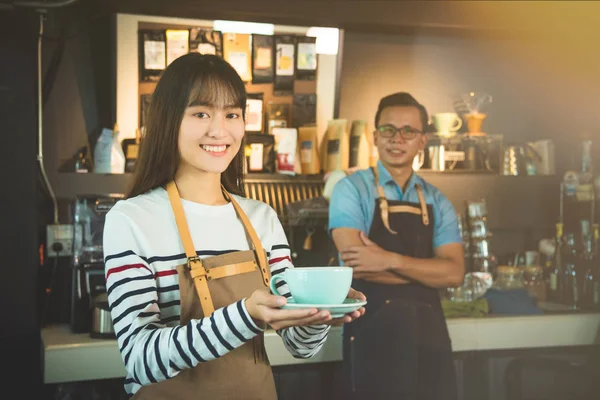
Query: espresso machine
<point x="88" y="282"/>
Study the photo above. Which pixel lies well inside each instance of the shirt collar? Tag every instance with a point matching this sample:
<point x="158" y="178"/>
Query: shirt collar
<point x="385" y="178"/>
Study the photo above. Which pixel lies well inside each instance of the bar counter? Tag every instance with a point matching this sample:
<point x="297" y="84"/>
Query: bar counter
<point x="72" y="357"/>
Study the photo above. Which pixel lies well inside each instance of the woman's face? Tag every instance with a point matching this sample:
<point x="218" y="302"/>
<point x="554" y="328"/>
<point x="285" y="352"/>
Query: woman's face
<point x="210" y="137"/>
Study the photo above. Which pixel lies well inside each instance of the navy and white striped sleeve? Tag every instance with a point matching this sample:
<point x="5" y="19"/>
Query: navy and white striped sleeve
<point x="152" y="351"/>
<point x="300" y="341"/>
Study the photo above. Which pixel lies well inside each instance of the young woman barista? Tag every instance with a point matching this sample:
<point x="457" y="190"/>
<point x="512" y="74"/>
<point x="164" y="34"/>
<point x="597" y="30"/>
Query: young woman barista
<point x="188" y="259"/>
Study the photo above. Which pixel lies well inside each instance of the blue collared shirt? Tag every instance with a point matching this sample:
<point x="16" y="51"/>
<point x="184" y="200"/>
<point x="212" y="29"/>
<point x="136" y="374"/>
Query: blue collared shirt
<point x="352" y="203"/>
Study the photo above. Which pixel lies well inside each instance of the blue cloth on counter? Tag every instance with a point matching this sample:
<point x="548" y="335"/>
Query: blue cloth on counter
<point x="512" y="302"/>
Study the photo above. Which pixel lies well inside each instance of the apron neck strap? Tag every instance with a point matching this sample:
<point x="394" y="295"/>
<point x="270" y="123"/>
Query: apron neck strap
<point x="182" y="226"/>
<point x="424" y="212"/>
<point x="383" y="203"/>
<point x="186" y="238"/>
<point x="384" y="206"/>
<point x="255" y="241"/>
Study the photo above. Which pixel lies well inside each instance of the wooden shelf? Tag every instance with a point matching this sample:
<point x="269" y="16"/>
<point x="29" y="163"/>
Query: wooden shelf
<point x="70" y="184"/>
<point x="514" y="202"/>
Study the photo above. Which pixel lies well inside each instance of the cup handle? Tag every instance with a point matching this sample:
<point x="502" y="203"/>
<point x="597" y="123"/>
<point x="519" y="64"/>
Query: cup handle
<point x="272" y="283"/>
<point x="419" y="160"/>
<point x="458" y="124"/>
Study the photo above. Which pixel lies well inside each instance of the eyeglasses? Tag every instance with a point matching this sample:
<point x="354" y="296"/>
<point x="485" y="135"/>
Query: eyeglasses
<point x="406" y="132"/>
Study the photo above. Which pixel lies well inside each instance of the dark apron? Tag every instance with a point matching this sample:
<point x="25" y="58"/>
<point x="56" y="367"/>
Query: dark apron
<point x="400" y="349"/>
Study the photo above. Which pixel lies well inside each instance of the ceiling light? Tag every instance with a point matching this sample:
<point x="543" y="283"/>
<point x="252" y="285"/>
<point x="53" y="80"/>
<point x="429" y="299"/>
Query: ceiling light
<point x="327" y="39"/>
<point x="243" y="27"/>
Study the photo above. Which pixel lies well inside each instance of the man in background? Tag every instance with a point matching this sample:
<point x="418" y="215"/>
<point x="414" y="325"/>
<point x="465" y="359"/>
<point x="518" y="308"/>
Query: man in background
<point x="400" y="235"/>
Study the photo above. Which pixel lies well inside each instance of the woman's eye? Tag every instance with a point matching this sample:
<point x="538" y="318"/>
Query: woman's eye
<point x="201" y="115"/>
<point x="233" y="116"/>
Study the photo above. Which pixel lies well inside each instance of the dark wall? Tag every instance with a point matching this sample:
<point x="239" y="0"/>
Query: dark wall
<point x="543" y="84"/>
<point x="542" y="79"/>
<point x="537" y="94"/>
<point x="483" y="17"/>
<point x="19" y="334"/>
<point x="80" y="102"/>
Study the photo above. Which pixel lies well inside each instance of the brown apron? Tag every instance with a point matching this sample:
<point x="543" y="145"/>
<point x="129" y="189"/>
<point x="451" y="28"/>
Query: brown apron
<point x="215" y="282"/>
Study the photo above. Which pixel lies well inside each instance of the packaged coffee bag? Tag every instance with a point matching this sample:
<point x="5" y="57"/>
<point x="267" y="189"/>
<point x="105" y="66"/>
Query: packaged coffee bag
<point x="309" y="154"/>
<point x="335" y="146"/>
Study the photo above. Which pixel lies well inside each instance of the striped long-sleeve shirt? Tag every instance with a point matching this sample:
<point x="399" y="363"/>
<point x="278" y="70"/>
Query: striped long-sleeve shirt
<point x="142" y="249"/>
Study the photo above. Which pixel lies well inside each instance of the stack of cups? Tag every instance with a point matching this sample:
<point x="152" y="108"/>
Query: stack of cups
<point x="482" y="259"/>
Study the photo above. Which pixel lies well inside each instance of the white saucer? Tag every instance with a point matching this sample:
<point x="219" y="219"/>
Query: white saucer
<point x="336" y="310"/>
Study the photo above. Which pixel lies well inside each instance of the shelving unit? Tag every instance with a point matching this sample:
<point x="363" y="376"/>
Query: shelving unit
<point x="129" y="88"/>
<point x="68" y="185"/>
<point x="514" y="202"/>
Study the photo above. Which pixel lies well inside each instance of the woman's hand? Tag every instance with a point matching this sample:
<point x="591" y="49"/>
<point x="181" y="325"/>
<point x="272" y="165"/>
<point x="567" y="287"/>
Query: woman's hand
<point x="264" y="309"/>
<point x="346" y="319"/>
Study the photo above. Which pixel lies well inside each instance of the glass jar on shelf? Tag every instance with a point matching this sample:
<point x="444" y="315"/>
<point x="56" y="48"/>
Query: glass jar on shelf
<point x="533" y="279"/>
<point x="508" y="278"/>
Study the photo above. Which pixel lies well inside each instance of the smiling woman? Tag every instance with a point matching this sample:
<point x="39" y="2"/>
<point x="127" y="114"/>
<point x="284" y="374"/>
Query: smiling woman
<point x="194" y="86"/>
<point x="188" y="260"/>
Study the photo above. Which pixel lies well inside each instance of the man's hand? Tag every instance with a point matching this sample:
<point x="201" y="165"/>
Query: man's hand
<point x="369" y="258"/>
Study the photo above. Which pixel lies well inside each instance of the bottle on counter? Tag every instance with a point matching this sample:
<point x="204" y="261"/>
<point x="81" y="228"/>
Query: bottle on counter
<point x="571" y="183"/>
<point x="82" y="163"/>
<point x="586" y="175"/>
<point x="589" y="270"/>
<point x="593" y="265"/>
<point x="571" y="281"/>
<point x="108" y="153"/>
<point x="533" y="279"/>
<point x="555" y="287"/>
<point x="585" y="188"/>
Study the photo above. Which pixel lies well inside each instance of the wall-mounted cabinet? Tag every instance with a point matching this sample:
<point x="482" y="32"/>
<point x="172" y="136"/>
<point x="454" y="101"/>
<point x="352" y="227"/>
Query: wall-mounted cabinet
<point x="135" y="82"/>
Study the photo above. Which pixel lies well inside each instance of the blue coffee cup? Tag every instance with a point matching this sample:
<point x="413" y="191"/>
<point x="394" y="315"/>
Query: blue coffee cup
<point x="316" y="285"/>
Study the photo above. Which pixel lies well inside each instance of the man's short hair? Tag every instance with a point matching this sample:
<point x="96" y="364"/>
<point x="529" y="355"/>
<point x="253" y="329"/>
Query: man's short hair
<point x="402" y="99"/>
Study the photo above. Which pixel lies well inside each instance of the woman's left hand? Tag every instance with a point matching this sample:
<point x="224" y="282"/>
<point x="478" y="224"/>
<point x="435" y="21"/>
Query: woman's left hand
<point x="352" y="294"/>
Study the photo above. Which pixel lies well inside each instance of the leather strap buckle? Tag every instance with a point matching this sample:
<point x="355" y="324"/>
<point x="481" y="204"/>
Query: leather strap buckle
<point x="198" y="271"/>
<point x="192" y="259"/>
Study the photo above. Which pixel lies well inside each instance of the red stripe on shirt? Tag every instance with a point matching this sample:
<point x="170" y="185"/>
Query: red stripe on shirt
<point x="165" y="273"/>
<point x="124" y="268"/>
<point x="276" y="260"/>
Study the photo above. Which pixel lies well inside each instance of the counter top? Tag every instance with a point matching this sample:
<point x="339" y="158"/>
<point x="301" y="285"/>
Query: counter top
<point x="72" y="357"/>
<point x="522" y="332"/>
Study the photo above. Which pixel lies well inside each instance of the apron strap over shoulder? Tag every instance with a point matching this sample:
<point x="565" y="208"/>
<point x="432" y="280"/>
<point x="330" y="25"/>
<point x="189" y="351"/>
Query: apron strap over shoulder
<point x="386" y="209"/>
<point x="383" y="203"/>
<point x="197" y="270"/>
<point x="256" y="244"/>
<point x="424" y="211"/>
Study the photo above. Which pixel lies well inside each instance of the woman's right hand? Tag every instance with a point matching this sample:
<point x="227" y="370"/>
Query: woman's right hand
<point x="264" y="309"/>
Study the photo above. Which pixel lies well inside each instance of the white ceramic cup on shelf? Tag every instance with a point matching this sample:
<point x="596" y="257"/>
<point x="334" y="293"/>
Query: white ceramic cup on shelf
<point x="446" y="124"/>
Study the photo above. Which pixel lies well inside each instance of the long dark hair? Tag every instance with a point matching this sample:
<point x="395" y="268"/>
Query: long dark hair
<point x="192" y="78"/>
